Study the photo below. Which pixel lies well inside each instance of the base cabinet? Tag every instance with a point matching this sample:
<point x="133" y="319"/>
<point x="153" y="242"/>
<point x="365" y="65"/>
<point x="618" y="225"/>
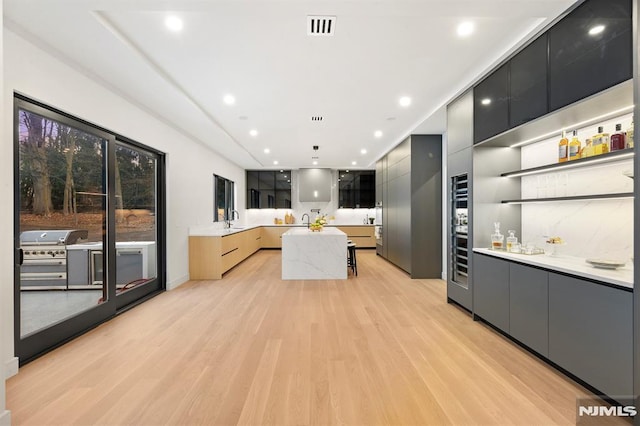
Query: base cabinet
<point x="582" y="326"/>
<point x="529" y="307"/>
<point x="590" y="333"/>
<point x="491" y="290"/>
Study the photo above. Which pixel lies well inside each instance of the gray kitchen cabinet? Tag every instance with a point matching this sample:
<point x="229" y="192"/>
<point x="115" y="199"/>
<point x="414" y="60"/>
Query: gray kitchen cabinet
<point x="529" y="306"/>
<point x="412" y="207"/>
<point x="459" y="165"/>
<point x="491" y="290"/>
<point x="590" y="333"/>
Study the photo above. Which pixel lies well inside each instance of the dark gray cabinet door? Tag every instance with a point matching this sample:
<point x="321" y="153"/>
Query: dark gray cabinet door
<point x="491" y="290"/>
<point x="529" y="307"/>
<point x="491" y="105"/>
<point x="590" y="333"/>
<point x="528" y="83"/>
<point x="583" y="60"/>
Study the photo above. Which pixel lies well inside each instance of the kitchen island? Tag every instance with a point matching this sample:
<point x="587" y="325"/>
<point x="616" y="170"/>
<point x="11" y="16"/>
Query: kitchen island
<point x="308" y="255"/>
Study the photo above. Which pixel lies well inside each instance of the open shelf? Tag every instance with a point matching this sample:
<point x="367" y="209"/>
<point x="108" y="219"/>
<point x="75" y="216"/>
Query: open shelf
<point x="571" y="198"/>
<point x="582" y="162"/>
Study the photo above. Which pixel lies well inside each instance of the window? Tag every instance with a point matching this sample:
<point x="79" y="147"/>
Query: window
<point x="357" y="189"/>
<point x="224" y="201"/>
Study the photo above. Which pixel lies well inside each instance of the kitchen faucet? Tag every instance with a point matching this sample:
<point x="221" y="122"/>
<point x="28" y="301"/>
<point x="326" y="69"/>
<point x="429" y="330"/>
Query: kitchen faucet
<point x="230" y="217"/>
<point x="308" y="219"/>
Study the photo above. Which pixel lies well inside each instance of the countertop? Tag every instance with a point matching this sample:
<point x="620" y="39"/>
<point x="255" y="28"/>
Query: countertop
<point x="298" y="232"/>
<point x="208" y="231"/>
<point x="622" y="277"/>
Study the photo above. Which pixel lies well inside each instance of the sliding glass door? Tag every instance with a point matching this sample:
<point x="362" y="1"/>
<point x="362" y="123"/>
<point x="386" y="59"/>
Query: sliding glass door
<point x="87" y="209"/>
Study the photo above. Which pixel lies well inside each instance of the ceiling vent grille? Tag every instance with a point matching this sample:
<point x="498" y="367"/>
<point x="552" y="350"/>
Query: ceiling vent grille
<point x="321" y="25"/>
<point x="317" y="118"/>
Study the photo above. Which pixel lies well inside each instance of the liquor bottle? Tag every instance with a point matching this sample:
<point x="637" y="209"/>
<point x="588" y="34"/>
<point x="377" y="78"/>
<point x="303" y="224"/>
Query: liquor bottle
<point x="511" y="240"/>
<point x="574" y="147"/>
<point x="563" y="148"/>
<point x="630" y="136"/>
<point x="587" y="151"/>
<point x="617" y="141"/>
<point x="600" y="142"/>
<point x="497" y="239"/>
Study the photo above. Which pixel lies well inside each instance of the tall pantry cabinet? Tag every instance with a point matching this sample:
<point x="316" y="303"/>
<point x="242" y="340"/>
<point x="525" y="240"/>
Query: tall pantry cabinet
<point x="411" y="198"/>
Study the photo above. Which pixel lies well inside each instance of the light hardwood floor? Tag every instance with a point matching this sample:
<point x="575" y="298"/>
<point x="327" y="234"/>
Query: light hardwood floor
<point x="379" y="348"/>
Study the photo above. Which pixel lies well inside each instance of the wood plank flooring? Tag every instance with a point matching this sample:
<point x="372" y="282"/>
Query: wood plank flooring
<point x="379" y="348"/>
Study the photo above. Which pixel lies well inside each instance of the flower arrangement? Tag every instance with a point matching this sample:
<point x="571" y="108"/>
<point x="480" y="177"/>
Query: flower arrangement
<point x="317" y="224"/>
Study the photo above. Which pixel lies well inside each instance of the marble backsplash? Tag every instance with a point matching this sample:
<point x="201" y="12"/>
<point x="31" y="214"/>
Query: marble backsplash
<point x="590" y="228"/>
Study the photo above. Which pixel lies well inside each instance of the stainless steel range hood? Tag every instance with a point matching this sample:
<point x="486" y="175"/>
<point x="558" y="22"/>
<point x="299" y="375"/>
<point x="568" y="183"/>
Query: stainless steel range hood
<point x="314" y="185"/>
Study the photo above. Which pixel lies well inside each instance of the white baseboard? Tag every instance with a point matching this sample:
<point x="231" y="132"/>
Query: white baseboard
<point x="177" y="282"/>
<point x="11" y="367"/>
<point x="444" y="276"/>
<point x="5" y="418"/>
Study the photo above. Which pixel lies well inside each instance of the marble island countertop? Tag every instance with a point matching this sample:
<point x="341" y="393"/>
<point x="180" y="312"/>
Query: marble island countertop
<point x="622" y="277"/>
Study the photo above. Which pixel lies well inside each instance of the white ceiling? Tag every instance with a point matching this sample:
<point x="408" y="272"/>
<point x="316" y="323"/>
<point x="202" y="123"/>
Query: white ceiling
<point x="259" y="51"/>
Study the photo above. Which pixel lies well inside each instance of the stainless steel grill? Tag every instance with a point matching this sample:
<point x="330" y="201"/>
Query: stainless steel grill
<point x="44" y="257"/>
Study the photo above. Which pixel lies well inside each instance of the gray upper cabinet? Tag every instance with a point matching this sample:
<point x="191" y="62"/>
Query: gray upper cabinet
<point x="268" y="189"/>
<point x="528" y="83"/>
<point x="584" y="61"/>
<point x="491" y="105"/>
<point x="586" y="52"/>
<point x="314" y="185"/>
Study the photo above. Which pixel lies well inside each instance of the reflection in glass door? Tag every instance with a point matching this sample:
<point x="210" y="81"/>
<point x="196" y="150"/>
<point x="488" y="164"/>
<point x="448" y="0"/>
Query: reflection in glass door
<point x="61" y="202"/>
<point x="136" y="183"/>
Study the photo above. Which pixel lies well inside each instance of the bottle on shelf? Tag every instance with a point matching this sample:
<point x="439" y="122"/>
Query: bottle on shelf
<point x="600" y="142"/>
<point x="617" y="141"/>
<point x="574" y="147"/>
<point x="563" y="147"/>
<point x="587" y="151"/>
<point x="497" y="239"/>
<point x="512" y="240"/>
<point x="629" y="141"/>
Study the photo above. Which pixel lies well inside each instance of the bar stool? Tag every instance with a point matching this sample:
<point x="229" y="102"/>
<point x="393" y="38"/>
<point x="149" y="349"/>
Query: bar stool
<point x="352" y="262"/>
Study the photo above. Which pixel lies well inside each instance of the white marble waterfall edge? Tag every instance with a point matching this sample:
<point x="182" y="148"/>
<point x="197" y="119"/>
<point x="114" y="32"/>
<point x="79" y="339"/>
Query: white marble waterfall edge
<point x="308" y="255"/>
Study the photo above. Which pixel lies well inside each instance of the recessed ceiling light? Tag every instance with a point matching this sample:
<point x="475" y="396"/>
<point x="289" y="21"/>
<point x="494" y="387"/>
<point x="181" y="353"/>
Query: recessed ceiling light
<point x="363" y="151"/>
<point x="465" y="29"/>
<point x="596" y="30"/>
<point x="390" y="118"/>
<point x="377" y="133"/>
<point x="229" y="99"/>
<point x="173" y="23"/>
<point x="253" y="132"/>
<point x="315" y="163"/>
<point x="405" y="101"/>
<point x="243" y="117"/>
<point x="275" y="162"/>
<point x="485" y="101"/>
<point x="267" y="150"/>
<point x="353" y="163"/>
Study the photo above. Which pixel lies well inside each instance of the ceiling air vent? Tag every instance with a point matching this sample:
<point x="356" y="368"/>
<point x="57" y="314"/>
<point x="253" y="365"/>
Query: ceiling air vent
<point x="321" y="25"/>
<point x="317" y="118"/>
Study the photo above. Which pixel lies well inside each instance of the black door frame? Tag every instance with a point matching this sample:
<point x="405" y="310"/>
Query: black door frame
<point x="36" y="344"/>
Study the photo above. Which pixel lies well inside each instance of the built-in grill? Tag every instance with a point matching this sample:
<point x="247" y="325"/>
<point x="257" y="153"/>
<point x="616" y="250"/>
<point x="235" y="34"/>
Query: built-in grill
<point x="44" y="257"/>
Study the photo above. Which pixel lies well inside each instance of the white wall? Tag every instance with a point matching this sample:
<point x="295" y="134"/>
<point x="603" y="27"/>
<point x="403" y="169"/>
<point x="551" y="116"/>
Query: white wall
<point x="190" y="165"/>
